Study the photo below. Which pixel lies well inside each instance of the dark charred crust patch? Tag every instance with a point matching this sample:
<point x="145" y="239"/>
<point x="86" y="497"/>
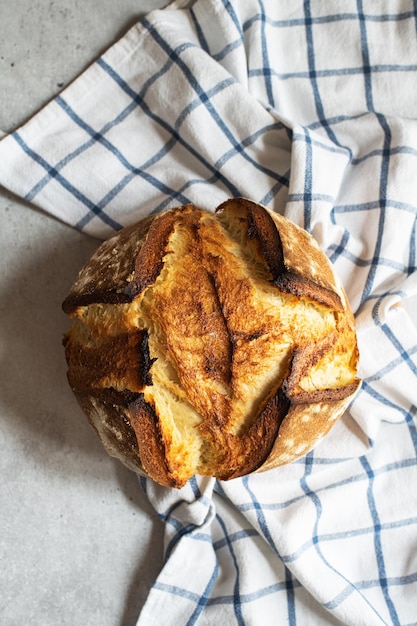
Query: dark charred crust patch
<point x="288" y="282"/>
<point x="116" y="397"/>
<point x="256" y="444"/>
<point x="150" y="441"/>
<point x="91" y="297"/>
<point x="145" y="361"/>
<point x="262" y="227"/>
<point x="150" y="260"/>
<point x="324" y="395"/>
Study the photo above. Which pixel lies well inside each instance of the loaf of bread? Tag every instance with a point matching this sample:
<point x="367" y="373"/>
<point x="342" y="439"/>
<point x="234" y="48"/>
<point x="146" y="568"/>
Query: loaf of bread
<point x="213" y="343"/>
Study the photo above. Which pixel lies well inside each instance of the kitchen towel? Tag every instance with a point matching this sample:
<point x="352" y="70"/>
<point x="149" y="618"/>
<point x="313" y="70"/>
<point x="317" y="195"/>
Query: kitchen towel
<point x="311" y="109"/>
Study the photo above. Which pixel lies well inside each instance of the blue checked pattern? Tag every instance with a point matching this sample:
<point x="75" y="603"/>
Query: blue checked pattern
<point x="310" y="108"/>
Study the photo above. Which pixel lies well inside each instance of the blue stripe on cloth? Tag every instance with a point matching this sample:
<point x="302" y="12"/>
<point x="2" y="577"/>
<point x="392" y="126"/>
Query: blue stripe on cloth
<point x="219" y="87"/>
<point x="177" y="591"/>
<point x="134" y="171"/>
<point x="395" y="150"/>
<point x="379" y="553"/>
<point x="395" y="362"/>
<point x="308" y="182"/>
<point x="205" y="101"/>
<point x="346" y="71"/>
<point x="137" y="98"/>
<point x="237" y="604"/>
<point x="370" y="584"/>
<point x="31" y="195"/>
<point x="109" y="125"/>
<point x="312" y="197"/>
<point x="230" y="47"/>
<point x="405" y="353"/>
<point x="95" y="209"/>
<point x="290" y="589"/>
<point x="318" y="538"/>
<point x="234" y="18"/>
<point x="336" y="536"/>
<point x="412" y="426"/>
<point x="383" y="186"/>
<point x="289" y="580"/>
<point x="311" y="56"/>
<point x="412" y="255"/>
<point x="366" y="65"/>
<point x="249" y="140"/>
<point x="374" y="204"/>
<point x="383" y="469"/>
<point x="357" y="477"/>
<point x="245" y="598"/>
<point x="328" y="19"/>
<point x="259" y="515"/>
<point x="339" y="119"/>
<point x="204" y="599"/>
<point x="380" y="152"/>
<point x="200" y="33"/>
<point x="183" y="527"/>
<point x="239" y="535"/>
<point x="350" y="587"/>
<point x="316" y="141"/>
<point x="384" y="401"/>
<point x="339" y="251"/>
<point x="392" y="581"/>
<point x="105" y="200"/>
<point x="183" y="530"/>
<point x="334" y="251"/>
<point x="196" y="490"/>
<point x="275" y="189"/>
<point x="267" y="68"/>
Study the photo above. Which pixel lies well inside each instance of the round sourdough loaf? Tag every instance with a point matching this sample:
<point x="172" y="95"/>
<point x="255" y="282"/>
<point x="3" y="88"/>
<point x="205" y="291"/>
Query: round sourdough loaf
<point x="214" y="343"/>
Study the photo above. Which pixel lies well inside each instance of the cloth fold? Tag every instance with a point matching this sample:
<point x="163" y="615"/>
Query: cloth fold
<point x="310" y="109"/>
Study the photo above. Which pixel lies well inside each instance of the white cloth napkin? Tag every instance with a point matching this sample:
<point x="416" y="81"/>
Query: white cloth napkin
<point x="311" y="109"/>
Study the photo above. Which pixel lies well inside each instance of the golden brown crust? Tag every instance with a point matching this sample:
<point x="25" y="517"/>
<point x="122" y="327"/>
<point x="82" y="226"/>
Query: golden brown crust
<point x="223" y="343"/>
<point x="245" y="454"/>
<point x="294" y="260"/>
<point x="302" y="429"/>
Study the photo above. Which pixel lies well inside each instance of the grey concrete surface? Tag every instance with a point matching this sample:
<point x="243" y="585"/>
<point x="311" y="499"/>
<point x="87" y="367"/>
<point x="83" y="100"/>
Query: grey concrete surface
<point x="79" y="544"/>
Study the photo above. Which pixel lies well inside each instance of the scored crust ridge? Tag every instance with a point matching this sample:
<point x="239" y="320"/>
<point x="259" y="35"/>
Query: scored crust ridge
<point x="215" y="343"/>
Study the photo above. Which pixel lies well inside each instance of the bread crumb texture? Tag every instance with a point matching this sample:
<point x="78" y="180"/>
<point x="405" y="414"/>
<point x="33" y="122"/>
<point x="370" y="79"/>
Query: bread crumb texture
<point x="210" y="343"/>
